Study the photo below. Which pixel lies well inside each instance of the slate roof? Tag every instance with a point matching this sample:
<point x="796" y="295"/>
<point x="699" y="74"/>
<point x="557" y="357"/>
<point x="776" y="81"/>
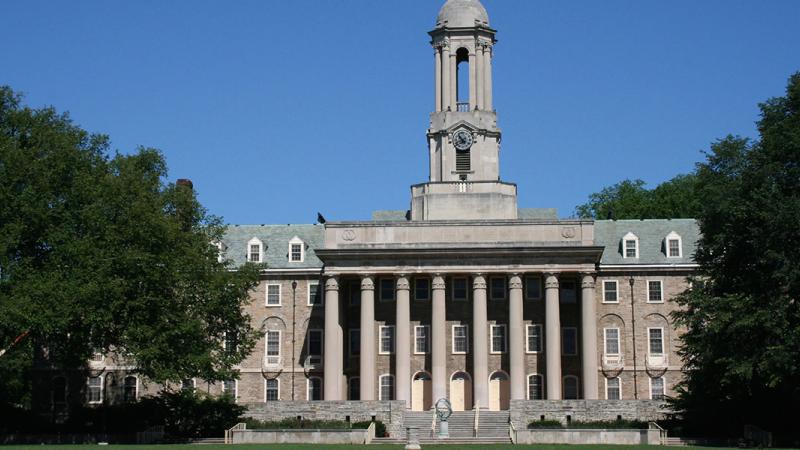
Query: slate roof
<point x="651" y="234"/>
<point x="276" y="241"/>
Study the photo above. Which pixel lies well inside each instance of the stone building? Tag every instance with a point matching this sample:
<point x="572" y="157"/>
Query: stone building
<point x="465" y="296"/>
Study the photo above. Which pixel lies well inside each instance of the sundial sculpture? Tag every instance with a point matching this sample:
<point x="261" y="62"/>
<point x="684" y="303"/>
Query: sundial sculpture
<point x="443" y="412"/>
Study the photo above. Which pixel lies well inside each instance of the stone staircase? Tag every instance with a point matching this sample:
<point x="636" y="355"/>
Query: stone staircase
<point x="492" y="428"/>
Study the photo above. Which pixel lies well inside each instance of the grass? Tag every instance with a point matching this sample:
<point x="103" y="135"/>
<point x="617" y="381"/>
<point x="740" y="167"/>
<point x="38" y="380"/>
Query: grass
<point x="343" y="447"/>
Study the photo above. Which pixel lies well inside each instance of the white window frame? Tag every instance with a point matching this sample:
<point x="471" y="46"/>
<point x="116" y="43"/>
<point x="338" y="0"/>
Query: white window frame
<point x="528" y="282"/>
<point x="321" y="346"/>
<point x="266" y="295"/>
<point x="380" y="290"/>
<point x="350" y="333"/>
<point x="563" y="348"/>
<point x="453" y="338"/>
<point x="380" y="386"/>
<point x="466" y="289"/>
<point x="220" y="251"/>
<point x="606" y="353"/>
<point x="428" y="281"/>
<point x="630" y="237"/>
<point x="294" y="241"/>
<point x="252" y="242"/>
<point x="266" y="348"/>
<point x="491" y="338"/>
<point x="528" y="328"/>
<point x="235" y="389"/>
<point x="663" y="344"/>
<point x="663" y="387"/>
<point x="381" y="338"/>
<point x="619" y="387"/>
<point x="427" y="329"/>
<point x="102" y="389"/>
<point x="265" y="389"/>
<point x="319" y="294"/>
<point x="528" y="386"/>
<point x="661" y="291"/>
<point x="135" y="390"/>
<point x="308" y="389"/>
<point x="673" y="236"/>
<point x="564" y="387"/>
<point x="491" y="288"/>
<point x="616" y="291"/>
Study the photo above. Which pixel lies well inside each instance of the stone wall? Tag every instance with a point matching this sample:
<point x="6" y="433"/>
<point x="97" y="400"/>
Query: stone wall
<point x="391" y="413"/>
<point x="584" y="437"/>
<point x="526" y="411"/>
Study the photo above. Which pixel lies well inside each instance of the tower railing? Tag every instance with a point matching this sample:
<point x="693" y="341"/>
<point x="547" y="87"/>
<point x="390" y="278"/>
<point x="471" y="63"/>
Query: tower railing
<point x="462" y="106"/>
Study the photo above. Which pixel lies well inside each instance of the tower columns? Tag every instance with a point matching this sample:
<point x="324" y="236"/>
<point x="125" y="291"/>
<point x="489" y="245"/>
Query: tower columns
<point x="453" y="82"/>
<point x="445" y="82"/>
<point x="437" y="61"/>
<point x="487" y="67"/>
<point x="479" y="71"/>
<point x="472" y="80"/>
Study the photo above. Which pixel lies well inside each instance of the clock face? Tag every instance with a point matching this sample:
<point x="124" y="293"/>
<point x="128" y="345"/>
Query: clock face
<point x="462" y="140"/>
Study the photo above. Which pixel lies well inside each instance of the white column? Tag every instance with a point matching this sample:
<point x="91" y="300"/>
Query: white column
<point x="332" y="351"/>
<point x="437" y="57"/>
<point x="480" y="76"/>
<point x="438" y="340"/>
<point x="480" y="346"/>
<point x="487" y="56"/>
<point x="453" y="82"/>
<point x="516" y="332"/>
<point x="472" y="81"/>
<point x="445" y="76"/>
<point x="367" y="358"/>
<point x="402" y="378"/>
<point x="552" y="338"/>
<point x="589" y="338"/>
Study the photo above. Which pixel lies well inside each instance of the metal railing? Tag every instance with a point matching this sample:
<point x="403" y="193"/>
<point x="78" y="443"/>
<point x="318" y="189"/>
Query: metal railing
<point x="462" y="106"/>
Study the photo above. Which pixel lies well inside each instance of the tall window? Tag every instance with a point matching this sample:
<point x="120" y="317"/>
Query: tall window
<point x="130" y="388"/>
<point x="613" y="391"/>
<point x="95" y="389"/>
<point x="314" y="389"/>
<point x="354" y="388"/>
<point x="271" y="390"/>
<point x="386" y="290"/>
<point x="535" y="387"/>
<point x="498" y="333"/>
<point x="610" y="294"/>
<point x="657" y="388"/>
<point x="611" y="341"/>
<point x="355" y="342"/>
<point x="273" y="295"/>
<point x="570" y="387"/>
<point x="421" y="341"/>
<point x="315" y="346"/>
<point x="422" y="289"/>
<point x="273" y="344"/>
<point x="386" y="344"/>
<point x="568" y="292"/>
<point x="314" y="294"/>
<point x="534" y="344"/>
<point x="533" y="288"/>
<point x="386" y="387"/>
<point x="254" y="251"/>
<point x="231" y="342"/>
<point x="656" y="339"/>
<point x="497" y="289"/>
<point x="654" y="291"/>
<point x="460" y="339"/>
<point x="569" y="341"/>
<point x="459" y="289"/>
<point x="229" y="388"/>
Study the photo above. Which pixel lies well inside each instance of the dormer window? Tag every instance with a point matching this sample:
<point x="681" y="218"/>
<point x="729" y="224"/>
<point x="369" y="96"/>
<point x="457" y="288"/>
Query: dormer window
<point x="630" y="246"/>
<point x="254" y="251"/>
<point x="673" y="244"/>
<point x="296" y="250"/>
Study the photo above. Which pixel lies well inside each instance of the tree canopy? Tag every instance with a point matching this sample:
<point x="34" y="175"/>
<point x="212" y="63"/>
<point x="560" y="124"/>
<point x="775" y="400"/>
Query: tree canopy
<point x="630" y="199"/>
<point x="98" y="251"/>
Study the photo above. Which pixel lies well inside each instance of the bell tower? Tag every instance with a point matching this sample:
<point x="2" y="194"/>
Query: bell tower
<point x="463" y="138"/>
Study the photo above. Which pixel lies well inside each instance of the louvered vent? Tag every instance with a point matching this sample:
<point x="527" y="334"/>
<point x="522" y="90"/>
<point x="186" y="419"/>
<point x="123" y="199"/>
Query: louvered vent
<point x="462" y="161"/>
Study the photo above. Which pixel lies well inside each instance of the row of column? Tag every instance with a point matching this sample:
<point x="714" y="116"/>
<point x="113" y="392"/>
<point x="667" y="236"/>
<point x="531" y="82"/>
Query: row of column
<point x="446" y="77"/>
<point x="480" y="336"/>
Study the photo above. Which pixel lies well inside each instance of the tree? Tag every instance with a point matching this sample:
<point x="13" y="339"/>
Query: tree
<point x="742" y="341"/>
<point x="99" y="252"/>
<point x="630" y="199"/>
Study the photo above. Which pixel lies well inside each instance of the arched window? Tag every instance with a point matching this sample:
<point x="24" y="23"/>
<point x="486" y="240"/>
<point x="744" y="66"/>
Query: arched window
<point x="570" y="387"/>
<point x="354" y="388"/>
<point x="130" y="389"/>
<point x="386" y="387"/>
<point x="314" y="390"/>
<point x="535" y="387"/>
<point x="462" y="79"/>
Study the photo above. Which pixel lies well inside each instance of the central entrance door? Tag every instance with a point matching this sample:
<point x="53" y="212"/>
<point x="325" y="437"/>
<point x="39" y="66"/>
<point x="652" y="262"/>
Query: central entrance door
<point x="421" y="392"/>
<point x="461" y="391"/>
<point x="498" y="391"/>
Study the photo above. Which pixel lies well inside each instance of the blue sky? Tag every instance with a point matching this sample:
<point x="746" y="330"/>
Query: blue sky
<point x="279" y="109"/>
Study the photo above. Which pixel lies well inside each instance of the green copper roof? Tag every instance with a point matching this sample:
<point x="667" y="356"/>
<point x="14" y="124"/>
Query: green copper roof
<point x="652" y="235"/>
<point x="275" y="239"/>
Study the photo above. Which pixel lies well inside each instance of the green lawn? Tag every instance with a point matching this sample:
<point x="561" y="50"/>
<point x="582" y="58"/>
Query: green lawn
<point x="343" y="447"/>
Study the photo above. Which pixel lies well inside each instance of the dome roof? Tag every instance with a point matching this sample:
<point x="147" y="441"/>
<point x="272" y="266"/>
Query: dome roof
<point x="462" y="13"/>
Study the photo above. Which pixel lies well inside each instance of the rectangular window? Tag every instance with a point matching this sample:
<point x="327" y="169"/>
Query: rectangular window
<point x="674" y="246"/>
<point x="273" y="339"/>
<point x="611" y="341"/>
<point x="355" y="294"/>
<point x="386" y="290"/>
<point x="354" y="388"/>
<point x="187" y="385"/>
<point x="613" y="388"/>
<point x="498" y="344"/>
<point x="422" y="289"/>
<point x="386" y="344"/>
<point x="231" y="342"/>
<point x="654" y="293"/>
<point x="314" y="294"/>
<point x="271" y="391"/>
<point x="459" y="289"/>
<point x="568" y="292"/>
<point x="569" y="341"/>
<point x="255" y="253"/>
<point x="460" y="339"/>
<point x="95" y="389"/>
<point x="535" y="388"/>
<point x="657" y="388"/>
<point x="273" y="295"/>
<point x="297" y="253"/>
<point x="534" y="344"/>
<point x="656" y="340"/>
<point x="97" y="356"/>
<point x="130" y="389"/>
<point x="421" y="340"/>
<point x="229" y="388"/>
<point x="387" y="387"/>
<point x="610" y="291"/>
<point x="355" y="342"/>
<point x="315" y="340"/>
<point x="314" y="389"/>
<point x="630" y="248"/>
<point x="533" y="288"/>
<point x="497" y="289"/>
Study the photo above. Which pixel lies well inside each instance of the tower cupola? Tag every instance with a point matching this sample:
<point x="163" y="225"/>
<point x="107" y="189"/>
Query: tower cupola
<point x="462" y="13"/>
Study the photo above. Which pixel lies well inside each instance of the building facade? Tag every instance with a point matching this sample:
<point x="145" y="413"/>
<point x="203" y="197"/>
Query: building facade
<point x="464" y="296"/>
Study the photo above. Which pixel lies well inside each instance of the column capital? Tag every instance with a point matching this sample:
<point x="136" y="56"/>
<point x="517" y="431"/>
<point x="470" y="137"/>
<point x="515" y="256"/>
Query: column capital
<point x="551" y="280"/>
<point x="478" y="281"/>
<point x="367" y="282"/>
<point x="514" y="281"/>
<point x="587" y="281"/>
<point x="402" y="282"/>
<point x="332" y="283"/>
<point x="438" y="282"/>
